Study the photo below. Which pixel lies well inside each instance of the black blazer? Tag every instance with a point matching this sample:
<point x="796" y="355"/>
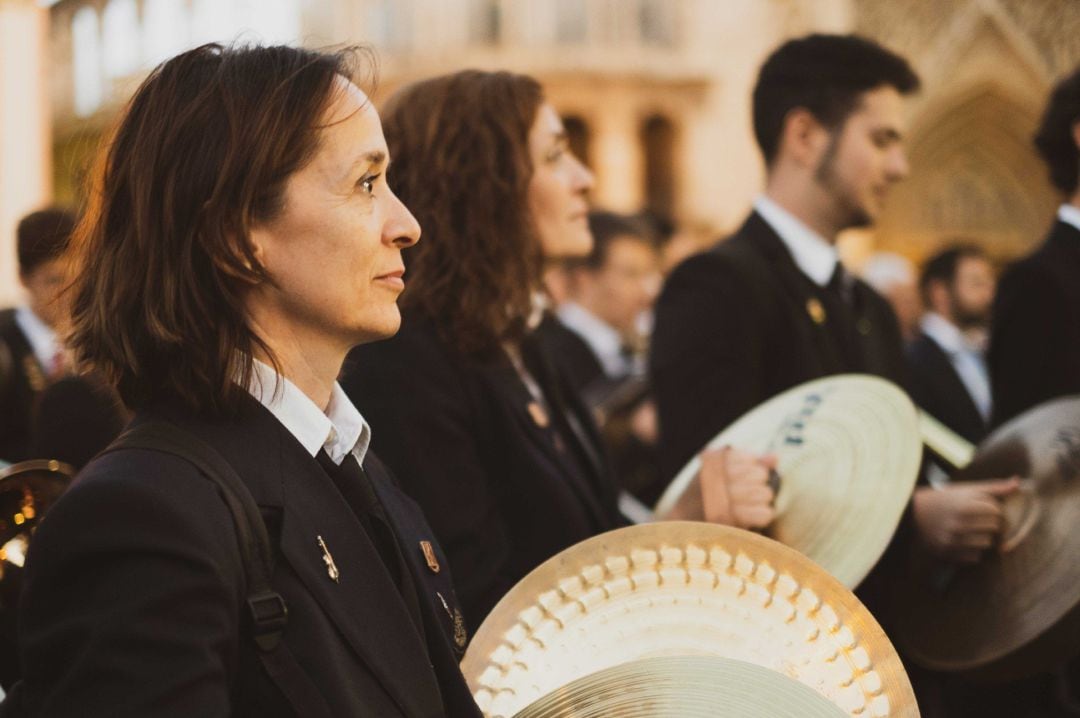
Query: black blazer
<point x="505" y="484"/>
<point x="1035" y="340"/>
<point x="134" y="591"/>
<point x="936" y="387"/>
<point x="736" y="325"/>
<point x="575" y="357"/>
<point x="22" y="379"/>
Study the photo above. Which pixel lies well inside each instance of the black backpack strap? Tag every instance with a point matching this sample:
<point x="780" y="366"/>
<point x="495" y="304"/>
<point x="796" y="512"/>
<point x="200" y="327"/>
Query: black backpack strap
<point x="266" y="608"/>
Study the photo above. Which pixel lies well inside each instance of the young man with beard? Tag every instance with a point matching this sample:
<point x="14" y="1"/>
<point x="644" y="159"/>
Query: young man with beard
<point x="772" y="307"/>
<point x="946" y="360"/>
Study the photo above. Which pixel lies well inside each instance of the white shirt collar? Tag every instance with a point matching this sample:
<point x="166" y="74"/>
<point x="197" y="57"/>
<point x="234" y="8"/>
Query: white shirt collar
<point x="945" y="333"/>
<point x="813" y="255"/>
<point x="39" y="335"/>
<point x="602" y="338"/>
<point x="340" y="430"/>
<point x="1069" y="214"/>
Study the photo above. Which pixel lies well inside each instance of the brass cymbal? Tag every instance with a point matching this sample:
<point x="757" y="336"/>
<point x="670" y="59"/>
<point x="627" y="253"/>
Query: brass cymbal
<point x="684" y="687"/>
<point x="1015" y="611"/>
<point x="848" y="451"/>
<point x="681" y="588"/>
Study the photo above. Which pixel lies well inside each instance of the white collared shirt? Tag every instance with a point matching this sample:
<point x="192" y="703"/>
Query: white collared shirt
<point x="41" y="337"/>
<point x="813" y="254"/>
<point x="602" y="338"/>
<point x="966" y="358"/>
<point x="1069" y="215"/>
<point x="340" y="431"/>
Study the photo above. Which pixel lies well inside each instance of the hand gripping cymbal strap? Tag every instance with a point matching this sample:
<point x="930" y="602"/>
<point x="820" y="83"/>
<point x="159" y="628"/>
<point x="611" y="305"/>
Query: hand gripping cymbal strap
<point x="267" y="611"/>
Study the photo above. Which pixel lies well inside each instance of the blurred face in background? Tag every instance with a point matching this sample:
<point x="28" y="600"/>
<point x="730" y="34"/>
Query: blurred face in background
<point x="972" y="292"/>
<point x="558" y="190"/>
<point x="44" y="286"/>
<point x="624" y="286"/>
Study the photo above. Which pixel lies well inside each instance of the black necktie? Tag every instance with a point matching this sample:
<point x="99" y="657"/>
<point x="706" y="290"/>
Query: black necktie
<point x="355" y="485"/>
<point x="840" y="299"/>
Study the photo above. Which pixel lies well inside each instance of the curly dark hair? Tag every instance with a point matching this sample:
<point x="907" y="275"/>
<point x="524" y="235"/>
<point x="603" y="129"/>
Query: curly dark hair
<point x="1055" y="139"/>
<point x="461" y="164"/>
<point x="201" y="153"/>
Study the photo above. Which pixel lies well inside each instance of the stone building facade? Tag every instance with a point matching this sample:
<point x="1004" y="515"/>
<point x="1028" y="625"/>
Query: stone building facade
<point x="655" y="92"/>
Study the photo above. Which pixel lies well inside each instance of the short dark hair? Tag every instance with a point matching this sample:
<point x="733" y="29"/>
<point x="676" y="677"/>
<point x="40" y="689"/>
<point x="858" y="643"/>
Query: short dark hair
<point x="43" y="236"/>
<point x="824" y="74"/>
<point x="942" y="266"/>
<point x="606" y="227"/>
<point x="201" y="154"/>
<point x="1055" y="141"/>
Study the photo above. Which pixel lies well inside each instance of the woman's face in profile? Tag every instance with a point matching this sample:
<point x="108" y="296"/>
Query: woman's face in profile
<point x="334" y="252"/>
<point x="558" y="189"/>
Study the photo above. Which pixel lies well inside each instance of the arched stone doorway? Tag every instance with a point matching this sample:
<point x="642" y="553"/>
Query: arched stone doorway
<point x="974" y="173"/>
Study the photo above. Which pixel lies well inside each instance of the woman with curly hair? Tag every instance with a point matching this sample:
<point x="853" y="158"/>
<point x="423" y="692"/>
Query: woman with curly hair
<point x="478" y="422"/>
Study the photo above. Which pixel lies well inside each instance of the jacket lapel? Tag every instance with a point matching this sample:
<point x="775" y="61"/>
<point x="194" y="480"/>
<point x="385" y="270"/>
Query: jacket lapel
<point x="799" y="293"/>
<point x="364" y="603"/>
<point x="537" y="424"/>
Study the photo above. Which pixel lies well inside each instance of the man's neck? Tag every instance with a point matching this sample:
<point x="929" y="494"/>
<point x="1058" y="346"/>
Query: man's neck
<point x="804" y="205"/>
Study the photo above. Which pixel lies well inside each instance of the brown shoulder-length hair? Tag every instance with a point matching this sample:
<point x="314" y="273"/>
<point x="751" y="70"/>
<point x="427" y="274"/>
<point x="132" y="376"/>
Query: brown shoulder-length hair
<point x="201" y="153"/>
<point x="461" y="164"/>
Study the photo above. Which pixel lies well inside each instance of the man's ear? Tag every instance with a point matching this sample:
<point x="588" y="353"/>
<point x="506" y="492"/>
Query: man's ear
<point x="803" y="139"/>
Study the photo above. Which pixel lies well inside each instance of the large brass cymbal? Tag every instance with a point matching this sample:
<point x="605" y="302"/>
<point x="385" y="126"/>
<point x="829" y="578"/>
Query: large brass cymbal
<point x="679" y="588"/>
<point x="1016" y="611"/>
<point x="684" y="687"/>
<point x="848" y="452"/>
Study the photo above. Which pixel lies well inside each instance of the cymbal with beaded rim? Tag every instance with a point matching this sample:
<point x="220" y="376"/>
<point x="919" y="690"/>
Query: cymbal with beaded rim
<point x="680" y="588"/>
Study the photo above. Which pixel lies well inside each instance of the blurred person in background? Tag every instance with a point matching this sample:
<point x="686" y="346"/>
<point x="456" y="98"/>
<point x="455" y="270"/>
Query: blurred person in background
<point x="1035" y="342"/>
<point x="480" y="423"/>
<point x="893" y="277"/>
<point x="610" y="291"/>
<point x="600" y="338"/>
<point x="946" y="362"/>
<point x="32" y="353"/>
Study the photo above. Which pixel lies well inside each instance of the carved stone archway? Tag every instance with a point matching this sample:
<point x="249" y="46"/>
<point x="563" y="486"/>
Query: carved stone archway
<point x="974" y="174"/>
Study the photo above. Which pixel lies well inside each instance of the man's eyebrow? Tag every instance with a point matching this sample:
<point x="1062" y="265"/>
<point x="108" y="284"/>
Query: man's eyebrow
<point x="889" y="133"/>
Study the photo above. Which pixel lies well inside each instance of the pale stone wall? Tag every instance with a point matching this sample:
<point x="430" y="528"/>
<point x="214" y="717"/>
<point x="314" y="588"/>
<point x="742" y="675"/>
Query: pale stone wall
<point x="25" y="128"/>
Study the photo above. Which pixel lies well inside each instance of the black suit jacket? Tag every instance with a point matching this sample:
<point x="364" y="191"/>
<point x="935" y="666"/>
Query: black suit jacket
<point x="573" y="354"/>
<point x="135" y="588"/>
<point x="735" y="326"/>
<point x="1035" y="341"/>
<point x="21" y="381"/>
<point x="504" y="484"/>
<point x="936" y="387"/>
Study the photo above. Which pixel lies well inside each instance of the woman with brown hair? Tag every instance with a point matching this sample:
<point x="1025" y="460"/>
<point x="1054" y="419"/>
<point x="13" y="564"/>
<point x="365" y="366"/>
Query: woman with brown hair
<point x="479" y="424"/>
<point x="239" y="551"/>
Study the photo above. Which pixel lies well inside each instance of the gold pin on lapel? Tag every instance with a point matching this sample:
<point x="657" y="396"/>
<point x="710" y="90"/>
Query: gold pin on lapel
<point x="429" y="556"/>
<point x="815" y="309"/>
<point x="538" y="414"/>
<point x="331" y="567"/>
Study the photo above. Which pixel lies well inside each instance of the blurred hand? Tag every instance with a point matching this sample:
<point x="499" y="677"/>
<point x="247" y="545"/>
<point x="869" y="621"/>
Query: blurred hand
<point x="960" y="521"/>
<point x="734" y="488"/>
